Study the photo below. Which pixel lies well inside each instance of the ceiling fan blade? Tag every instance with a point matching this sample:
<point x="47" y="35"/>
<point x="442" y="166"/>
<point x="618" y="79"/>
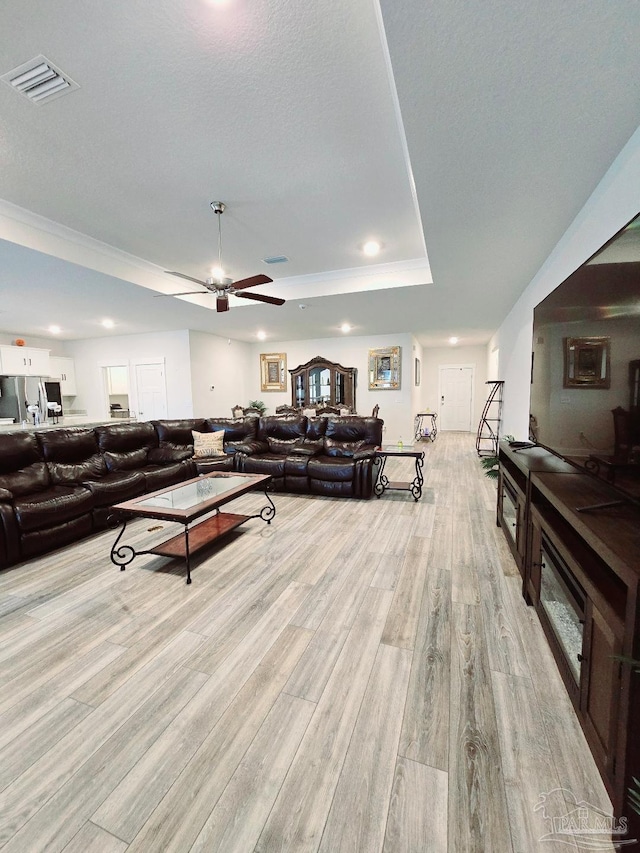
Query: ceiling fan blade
<point x="184" y="293"/>
<point x="260" y="297"/>
<point x="188" y="277"/>
<point x="251" y="282"/>
<point x="222" y="303"/>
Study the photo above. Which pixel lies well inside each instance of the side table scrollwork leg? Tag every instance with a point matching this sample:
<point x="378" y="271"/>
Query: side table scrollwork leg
<point x="382" y="482"/>
<point x="416" y="485"/>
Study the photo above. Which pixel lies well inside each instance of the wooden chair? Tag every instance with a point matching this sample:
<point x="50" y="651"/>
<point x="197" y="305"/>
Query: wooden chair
<point x="251" y="410"/>
<point x="327" y="410"/>
<point x="237" y="411"/>
<point x="376" y="409"/>
<point x="287" y="410"/>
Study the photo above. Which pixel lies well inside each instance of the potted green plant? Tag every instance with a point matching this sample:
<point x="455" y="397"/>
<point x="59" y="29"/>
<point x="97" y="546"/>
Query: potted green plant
<point x="258" y="404"/>
<point x="490" y="463"/>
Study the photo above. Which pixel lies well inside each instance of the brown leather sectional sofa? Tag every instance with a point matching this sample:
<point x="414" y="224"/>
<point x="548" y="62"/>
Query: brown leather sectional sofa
<point x="59" y="485"/>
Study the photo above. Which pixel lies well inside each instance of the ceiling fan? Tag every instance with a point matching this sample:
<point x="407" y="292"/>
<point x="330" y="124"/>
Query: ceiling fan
<point x="222" y="287"/>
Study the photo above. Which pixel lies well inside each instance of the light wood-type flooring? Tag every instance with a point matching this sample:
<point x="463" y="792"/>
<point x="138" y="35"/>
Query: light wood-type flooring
<point x="359" y="676"/>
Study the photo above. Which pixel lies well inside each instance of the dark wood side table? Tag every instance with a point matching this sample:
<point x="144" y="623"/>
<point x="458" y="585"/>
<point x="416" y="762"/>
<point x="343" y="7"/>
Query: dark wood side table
<point x="383" y="484"/>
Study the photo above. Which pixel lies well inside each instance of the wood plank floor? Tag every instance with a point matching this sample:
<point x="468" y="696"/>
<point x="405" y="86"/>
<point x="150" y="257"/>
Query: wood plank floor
<point x="359" y="676"/>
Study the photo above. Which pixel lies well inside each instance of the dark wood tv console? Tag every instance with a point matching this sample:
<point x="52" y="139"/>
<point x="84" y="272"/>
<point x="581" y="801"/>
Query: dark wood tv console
<point x="578" y="550"/>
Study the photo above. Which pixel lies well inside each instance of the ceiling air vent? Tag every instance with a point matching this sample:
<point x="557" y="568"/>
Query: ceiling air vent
<point x="39" y="80"/>
<point x="276" y="259"/>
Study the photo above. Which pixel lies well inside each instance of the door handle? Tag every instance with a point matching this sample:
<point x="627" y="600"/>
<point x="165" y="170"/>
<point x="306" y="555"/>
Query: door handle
<point x="442" y="399"/>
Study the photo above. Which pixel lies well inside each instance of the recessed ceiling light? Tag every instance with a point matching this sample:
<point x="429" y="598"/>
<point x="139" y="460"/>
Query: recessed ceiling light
<point x="261" y="335"/>
<point x="345" y="327"/>
<point x="302" y="307"/>
<point x="371" y="248"/>
<point x="453" y="340"/>
<point x="108" y="324"/>
<point x="55" y="330"/>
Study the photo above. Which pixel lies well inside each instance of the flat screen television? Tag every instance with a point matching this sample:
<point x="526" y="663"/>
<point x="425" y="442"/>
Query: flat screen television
<point x="585" y="369"/>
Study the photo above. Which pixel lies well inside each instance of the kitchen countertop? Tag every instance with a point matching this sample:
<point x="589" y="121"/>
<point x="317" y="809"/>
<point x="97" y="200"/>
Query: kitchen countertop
<point x="69" y="421"/>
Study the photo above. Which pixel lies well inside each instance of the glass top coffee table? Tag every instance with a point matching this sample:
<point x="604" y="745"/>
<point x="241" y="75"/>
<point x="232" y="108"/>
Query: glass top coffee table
<point x="185" y="502"/>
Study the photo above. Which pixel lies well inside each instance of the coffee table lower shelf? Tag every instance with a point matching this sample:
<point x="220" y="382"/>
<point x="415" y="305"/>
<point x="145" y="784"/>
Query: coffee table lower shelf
<point x="199" y="536"/>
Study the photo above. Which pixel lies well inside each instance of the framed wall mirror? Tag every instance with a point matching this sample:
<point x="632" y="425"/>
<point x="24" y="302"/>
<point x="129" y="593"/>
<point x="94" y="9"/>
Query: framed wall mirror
<point x="384" y="369"/>
<point x="587" y="362"/>
<point x="273" y="371"/>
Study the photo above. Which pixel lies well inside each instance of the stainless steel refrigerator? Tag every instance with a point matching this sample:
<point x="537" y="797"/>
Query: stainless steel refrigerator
<point x="18" y="393"/>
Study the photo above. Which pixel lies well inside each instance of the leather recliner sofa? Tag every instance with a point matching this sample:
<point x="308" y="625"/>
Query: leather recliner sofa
<point x="58" y="485"/>
<point x="319" y="456"/>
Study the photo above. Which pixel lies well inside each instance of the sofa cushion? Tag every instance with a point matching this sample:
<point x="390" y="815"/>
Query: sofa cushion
<point x="52" y="507"/>
<point x="213" y="463"/>
<point x="41" y="541"/>
<point x="33" y="478"/>
<point x="116" y="487"/>
<point x="354" y="428"/>
<point x="89" y="469"/>
<point x="169" y="452"/>
<point x="265" y="463"/>
<point x="127" y="461"/>
<point x="121" y="438"/>
<point x="236" y="429"/>
<point x="159" y="476"/>
<point x="208" y="444"/>
<point x="316" y="428"/>
<point x="68" y="446"/>
<point x="284" y="429"/>
<point x="178" y="432"/>
<point x="331" y="468"/>
<point x="282" y="447"/>
<point x="19" y="449"/>
<point x="344" y="449"/>
<point x="296" y="466"/>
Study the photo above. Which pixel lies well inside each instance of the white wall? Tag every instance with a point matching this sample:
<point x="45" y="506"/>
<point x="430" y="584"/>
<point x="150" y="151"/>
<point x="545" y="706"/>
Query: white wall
<point x="614" y="202"/>
<point x="435" y="357"/>
<point x="223" y="363"/>
<point x="396" y="407"/>
<point x="55" y="346"/>
<point x="90" y="355"/>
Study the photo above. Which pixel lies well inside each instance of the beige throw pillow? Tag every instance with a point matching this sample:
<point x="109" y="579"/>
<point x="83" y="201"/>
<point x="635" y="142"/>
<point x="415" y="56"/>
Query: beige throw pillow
<point x="208" y="443"/>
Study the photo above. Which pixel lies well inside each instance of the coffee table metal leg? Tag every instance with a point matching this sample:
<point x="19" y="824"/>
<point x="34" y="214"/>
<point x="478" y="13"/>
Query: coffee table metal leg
<point x="267" y="513"/>
<point x="186" y="552"/>
<point x="122" y="555"/>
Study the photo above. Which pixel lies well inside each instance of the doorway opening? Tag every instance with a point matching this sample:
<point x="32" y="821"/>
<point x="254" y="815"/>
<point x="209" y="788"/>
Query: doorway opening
<point x="117" y="394"/>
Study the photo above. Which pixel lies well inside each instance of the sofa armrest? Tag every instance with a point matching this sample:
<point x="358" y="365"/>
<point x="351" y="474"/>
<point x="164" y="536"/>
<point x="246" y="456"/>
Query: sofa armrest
<point x="368" y="451"/>
<point x="9" y="535"/>
<point x="249" y="447"/>
<point x="6" y="495"/>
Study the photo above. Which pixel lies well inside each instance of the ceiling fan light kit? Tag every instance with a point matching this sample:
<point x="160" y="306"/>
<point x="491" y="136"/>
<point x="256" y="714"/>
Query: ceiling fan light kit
<point x="222" y="288"/>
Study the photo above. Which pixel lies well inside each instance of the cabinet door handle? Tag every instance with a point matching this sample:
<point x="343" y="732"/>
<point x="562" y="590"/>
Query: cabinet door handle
<point x="29" y="362"/>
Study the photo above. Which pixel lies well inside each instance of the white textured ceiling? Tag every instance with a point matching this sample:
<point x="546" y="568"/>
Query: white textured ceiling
<point x="286" y="111"/>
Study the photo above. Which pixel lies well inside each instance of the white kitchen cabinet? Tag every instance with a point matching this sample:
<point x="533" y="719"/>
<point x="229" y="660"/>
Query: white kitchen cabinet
<point x="118" y="380"/>
<point x="64" y="370"/>
<point x="24" y="361"/>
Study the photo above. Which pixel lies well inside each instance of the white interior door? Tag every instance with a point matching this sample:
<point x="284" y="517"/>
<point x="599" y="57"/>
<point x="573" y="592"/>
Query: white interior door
<point x="456" y="397"/>
<point x="151" y="391"/>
